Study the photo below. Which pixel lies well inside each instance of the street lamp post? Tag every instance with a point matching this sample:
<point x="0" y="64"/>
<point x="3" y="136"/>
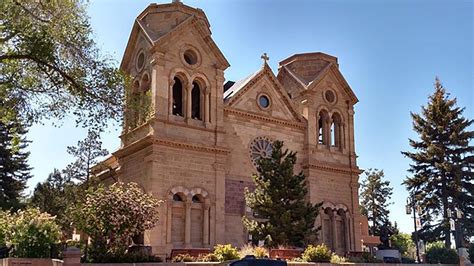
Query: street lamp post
<point x="411" y="206"/>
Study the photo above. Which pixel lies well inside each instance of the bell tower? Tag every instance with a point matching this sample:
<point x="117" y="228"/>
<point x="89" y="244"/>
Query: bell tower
<point x="176" y="70"/>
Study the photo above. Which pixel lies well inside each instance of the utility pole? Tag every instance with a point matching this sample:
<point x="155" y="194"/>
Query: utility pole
<point x="411" y="206"/>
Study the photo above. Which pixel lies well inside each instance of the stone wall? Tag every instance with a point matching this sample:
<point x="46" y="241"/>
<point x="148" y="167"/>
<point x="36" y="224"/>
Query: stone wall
<point x="30" y="262"/>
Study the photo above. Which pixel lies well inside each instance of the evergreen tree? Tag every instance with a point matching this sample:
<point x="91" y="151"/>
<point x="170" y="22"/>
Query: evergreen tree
<point x="282" y="213"/>
<point x="14" y="168"/>
<point x="375" y="197"/>
<point x="442" y="180"/>
<point x="54" y="196"/>
<point x="87" y="153"/>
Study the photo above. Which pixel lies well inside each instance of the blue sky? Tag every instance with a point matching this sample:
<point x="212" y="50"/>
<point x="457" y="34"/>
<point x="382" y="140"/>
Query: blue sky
<point x="388" y="51"/>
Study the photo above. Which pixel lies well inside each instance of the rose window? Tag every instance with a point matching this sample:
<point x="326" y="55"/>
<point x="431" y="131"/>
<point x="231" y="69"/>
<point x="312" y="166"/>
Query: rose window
<point x="260" y="147"/>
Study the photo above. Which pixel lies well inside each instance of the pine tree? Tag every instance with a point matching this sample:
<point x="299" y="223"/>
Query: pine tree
<point x="86" y="153"/>
<point x="442" y="179"/>
<point x="14" y="168"/>
<point x="375" y="197"/>
<point x="282" y="213"/>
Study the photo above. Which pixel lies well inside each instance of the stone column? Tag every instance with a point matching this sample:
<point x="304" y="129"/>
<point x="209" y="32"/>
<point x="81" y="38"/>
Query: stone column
<point x="170" y="99"/>
<point x="334" y="230"/>
<point x="346" y="232"/>
<point x="169" y="218"/>
<point x="188" y="101"/>
<point x="206" y="107"/>
<point x="327" y="132"/>
<point x="187" y="226"/>
<point x="72" y="257"/>
<point x="205" y="230"/>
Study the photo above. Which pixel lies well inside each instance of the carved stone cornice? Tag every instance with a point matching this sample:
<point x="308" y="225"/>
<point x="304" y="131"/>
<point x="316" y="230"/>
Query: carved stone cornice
<point x="297" y="125"/>
<point x="191" y="146"/>
<point x="149" y="140"/>
<point x="333" y="168"/>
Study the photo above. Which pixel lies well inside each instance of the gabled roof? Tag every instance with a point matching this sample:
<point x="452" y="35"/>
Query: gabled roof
<point x="239" y="85"/>
<point x="190" y="18"/>
<point x="321" y="65"/>
<point x="242" y="86"/>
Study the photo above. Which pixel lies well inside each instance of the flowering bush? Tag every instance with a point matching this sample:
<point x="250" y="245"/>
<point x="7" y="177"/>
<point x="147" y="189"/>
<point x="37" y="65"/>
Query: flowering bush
<point x="319" y="253"/>
<point x="337" y="259"/>
<point x="112" y="215"/>
<point x="226" y="252"/>
<point x="258" y="252"/>
<point x="30" y="232"/>
<point x="183" y="258"/>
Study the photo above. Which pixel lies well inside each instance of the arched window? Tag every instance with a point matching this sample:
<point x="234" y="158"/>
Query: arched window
<point x="322" y="127"/>
<point x="177" y="197"/>
<point x="178" y="97"/>
<point x="335" y="228"/>
<point x="336" y="132"/>
<point x="196" y="101"/>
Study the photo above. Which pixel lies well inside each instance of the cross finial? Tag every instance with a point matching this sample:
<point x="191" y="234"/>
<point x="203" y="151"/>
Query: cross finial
<point x="265" y="58"/>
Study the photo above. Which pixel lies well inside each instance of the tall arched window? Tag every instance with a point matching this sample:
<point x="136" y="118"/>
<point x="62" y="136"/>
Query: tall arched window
<point x="196" y="102"/>
<point x="178" y="219"/>
<point x="322" y="127"/>
<point x="336" y="132"/>
<point x="178" y="97"/>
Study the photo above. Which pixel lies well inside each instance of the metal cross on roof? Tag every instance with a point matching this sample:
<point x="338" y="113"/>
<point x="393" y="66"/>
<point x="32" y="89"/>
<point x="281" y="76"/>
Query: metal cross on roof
<point x="265" y="57"/>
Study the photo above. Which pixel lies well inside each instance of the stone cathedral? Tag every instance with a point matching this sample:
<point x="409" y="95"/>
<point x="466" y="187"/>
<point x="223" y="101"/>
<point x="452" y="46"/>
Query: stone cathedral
<point x="195" y="137"/>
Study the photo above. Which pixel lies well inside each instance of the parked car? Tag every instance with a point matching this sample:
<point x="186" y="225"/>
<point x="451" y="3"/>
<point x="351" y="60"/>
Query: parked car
<point x="252" y="261"/>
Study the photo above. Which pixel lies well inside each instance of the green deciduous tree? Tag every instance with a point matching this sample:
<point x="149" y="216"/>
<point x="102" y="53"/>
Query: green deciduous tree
<point x="403" y="243"/>
<point x="112" y="216"/>
<point x="87" y="152"/>
<point x="29" y="232"/>
<point x="51" y="66"/>
<point x="375" y="197"/>
<point x="283" y="214"/>
<point x="14" y="168"/>
<point x="442" y="167"/>
<point x="54" y="196"/>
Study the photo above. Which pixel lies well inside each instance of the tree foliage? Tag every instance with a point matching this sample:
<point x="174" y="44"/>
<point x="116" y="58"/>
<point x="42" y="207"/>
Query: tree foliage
<point x="30" y="232"/>
<point x="112" y="216"/>
<point x="403" y="243"/>
<point x="54" y="196"/>
<point x="14" y="168"/>
<point x="283" y="215"/>
<point x="87" y="152"/>
<point x="51" y="67"/>
<point x="375" y="198"/>
<point x="442" y="163"/>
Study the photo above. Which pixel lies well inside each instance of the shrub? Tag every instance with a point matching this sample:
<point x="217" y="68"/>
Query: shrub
<point x="120" y="210"/>
<point x="258" y="252"/>
<point x="207" y="258"/>
<point x="5" y="223"/>
<point x="442" y="255"/>
<point x="337" y="259"/>
<point x="30" y="232"/>
<point x="319" y="253"/>
<point x="261" y="252"/>
<point x="226" y="252"/>
<point x="183" y="258"/>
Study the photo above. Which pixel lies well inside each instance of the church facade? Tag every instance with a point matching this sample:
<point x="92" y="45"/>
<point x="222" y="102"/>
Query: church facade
<point x="193" y="138"/>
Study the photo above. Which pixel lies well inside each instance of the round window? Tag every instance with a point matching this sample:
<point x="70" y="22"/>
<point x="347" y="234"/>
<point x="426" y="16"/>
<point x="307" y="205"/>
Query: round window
<point x="140" y="61"/>
<point x="190" y="57"/>
<point x="261" y="147"/>
<point x="330" y="96"/>
<point x="264" y="101"/>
